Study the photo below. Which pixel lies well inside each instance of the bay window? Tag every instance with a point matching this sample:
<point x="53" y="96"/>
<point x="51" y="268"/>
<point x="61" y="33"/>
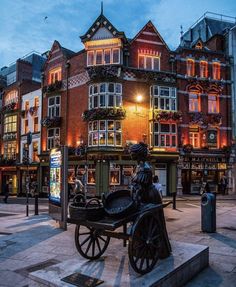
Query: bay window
<point x="163" y="98"/>
<point x="105" y="95"/>
<point x="105" y="133"/>
<point x="11" y="97"/>
<point x="164" y="135"/>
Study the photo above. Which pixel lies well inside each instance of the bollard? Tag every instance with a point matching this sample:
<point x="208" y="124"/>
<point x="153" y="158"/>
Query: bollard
<point x="36" y="204"/>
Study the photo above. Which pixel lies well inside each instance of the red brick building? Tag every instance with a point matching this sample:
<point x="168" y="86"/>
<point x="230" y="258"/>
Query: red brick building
<point x="113" y="93"/>
<point x="204" y="97"/>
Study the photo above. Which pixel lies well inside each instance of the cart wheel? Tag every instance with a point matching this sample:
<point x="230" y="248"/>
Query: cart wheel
<point x="89" y="242"/>
<point x="144" y="243"/>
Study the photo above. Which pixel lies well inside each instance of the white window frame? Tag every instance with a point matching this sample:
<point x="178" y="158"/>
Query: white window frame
<point x="94" y="52"/>
<point x="11" y="97"/>
<point x="193" y="138"/>
<point x="52" y="109"/>
<point x="10" y="126"/>
<point x="212" y="103"/>
<point x="51" y="139"/>
<point x="215" y="67"/>
<point x="94" y="133"/>
<point x="158" y="98"/>
<point x="145" y="62"/>
<point x="10" y="150"/>
<point x="53" y="74"/>
<point x="194" y="98"/>
<point x="160" y="134"/>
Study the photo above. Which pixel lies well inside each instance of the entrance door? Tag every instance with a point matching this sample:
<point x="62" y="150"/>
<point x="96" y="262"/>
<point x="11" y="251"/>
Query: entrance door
<point x="161" y="172"/>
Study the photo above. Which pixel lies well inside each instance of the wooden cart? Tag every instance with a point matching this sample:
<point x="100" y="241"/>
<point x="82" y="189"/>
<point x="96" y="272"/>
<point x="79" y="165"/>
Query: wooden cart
<point x="147" y="236"/>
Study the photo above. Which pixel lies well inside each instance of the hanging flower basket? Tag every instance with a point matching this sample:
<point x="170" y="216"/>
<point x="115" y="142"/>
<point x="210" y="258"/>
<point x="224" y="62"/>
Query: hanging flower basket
<point x="200" y="119"/>
<point x="104" y="113"/>
<point x="33" y="111"/>
<point x="187" y="148"/>
<point x="167" y="116"/>
<point x="8" y="108"/>
<point x="51" y="122"/>
<point x="215" y="119"/>
<point x="52" y="87"/>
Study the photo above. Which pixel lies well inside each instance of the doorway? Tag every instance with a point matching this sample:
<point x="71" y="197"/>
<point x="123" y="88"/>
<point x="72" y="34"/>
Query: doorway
<point x="161" y="172"/>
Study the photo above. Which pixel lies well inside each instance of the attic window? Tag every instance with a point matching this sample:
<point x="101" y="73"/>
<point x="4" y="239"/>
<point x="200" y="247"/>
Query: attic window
<point x="54" y="75"/>
<point x="199" y="45"/>
<point x="148" y="62"/>
<point x="103" y="57"/>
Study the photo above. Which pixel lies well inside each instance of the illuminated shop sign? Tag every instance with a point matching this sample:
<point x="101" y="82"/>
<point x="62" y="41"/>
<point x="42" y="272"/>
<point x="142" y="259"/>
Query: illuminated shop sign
<point x="55" y="176"/>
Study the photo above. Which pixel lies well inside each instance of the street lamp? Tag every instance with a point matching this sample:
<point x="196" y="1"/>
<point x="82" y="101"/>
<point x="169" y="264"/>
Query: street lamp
<point x="139" y="99"/>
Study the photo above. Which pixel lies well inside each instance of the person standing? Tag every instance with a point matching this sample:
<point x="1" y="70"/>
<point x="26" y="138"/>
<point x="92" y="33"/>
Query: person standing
<point x="157" y="184"/>
<point x="6" y="191"/>
<point x="223" y="184"/>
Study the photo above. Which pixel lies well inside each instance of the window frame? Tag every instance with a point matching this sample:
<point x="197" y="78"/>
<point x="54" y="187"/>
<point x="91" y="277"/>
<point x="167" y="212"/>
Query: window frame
<point x="194" y="136"/>
<point x="162" y="134"/>
<point x="10" y="126"/>
<point x="216" y="71"/>
<point x="152" y="62"/>
<point x="157" y="98"/>
<point x="103" y="51"/>
<point x="51" y="139"/>
<point x="52" y="109"/>
<point x="194" y="98"/>
<point x="54" y="75"/>
<point x="190" y="68"/>
<point x="203" y="69"/>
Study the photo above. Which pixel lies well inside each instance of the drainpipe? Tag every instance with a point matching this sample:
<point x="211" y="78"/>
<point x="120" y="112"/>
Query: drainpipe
<point x="67" y="66"/>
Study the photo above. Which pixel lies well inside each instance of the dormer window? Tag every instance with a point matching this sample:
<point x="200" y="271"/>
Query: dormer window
<point x="190" y="67"/>
<point x="216" y="71"/>
<point x="148" y="62"/>
<point x="199" y="45"/>
<point x="11" y="97"/>
<point x="103" y="57"/>
<point x="203" y="69"/>
<point x="55" y="75"/>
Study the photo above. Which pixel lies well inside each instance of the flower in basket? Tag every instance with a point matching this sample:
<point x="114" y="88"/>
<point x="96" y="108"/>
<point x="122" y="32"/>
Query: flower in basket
<point x="215" y="119"/>
<point x="187" y="148"/>
<point x="104" y="113"/>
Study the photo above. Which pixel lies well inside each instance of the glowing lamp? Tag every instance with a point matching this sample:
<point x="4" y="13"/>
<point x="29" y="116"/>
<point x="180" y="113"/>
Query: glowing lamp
<point x="139" y="98"/>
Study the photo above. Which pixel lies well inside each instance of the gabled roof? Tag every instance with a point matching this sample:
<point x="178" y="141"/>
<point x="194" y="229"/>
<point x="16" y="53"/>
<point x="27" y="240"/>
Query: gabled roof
<point x="102" y="22"/>
<point x="150" y="25"/>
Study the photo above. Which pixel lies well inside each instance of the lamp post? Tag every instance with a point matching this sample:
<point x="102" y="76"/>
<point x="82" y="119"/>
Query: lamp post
<point x="29" y="141"/>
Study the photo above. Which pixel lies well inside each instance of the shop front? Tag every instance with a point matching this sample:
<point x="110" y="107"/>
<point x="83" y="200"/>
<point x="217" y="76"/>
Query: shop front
<point x="32" y="173"/>
<point x="201" y="168"/>
<point x="9" y="175"/>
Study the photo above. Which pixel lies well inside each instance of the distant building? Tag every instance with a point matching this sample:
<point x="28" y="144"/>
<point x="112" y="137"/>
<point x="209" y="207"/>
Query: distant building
<point x="20" y="78"/>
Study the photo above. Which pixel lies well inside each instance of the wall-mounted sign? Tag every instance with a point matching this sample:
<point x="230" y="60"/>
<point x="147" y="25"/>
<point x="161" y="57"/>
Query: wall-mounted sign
<point x="212" y="138"/>
<point x="55" y="176"/>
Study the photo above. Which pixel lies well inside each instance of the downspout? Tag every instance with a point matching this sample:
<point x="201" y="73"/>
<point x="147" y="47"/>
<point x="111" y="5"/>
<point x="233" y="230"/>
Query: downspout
<point x="67" y="66"/>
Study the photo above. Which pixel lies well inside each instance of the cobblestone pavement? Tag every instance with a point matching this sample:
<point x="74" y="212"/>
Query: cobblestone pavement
<point x="28" y="241"/>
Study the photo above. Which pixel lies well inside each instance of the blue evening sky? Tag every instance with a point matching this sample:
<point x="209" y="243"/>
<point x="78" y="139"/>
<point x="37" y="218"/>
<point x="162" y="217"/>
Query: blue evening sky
<point x="28" y="25"/>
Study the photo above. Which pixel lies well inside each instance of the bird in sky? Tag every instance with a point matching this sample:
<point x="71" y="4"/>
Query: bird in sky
<point x="45" y="18"/>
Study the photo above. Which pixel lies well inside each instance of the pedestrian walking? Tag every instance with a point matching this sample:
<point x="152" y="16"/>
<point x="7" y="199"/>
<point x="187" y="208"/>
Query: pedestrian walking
<point x="6" y="191"/>
<point x="157" y="184"/>
<point x="223" y="184"/>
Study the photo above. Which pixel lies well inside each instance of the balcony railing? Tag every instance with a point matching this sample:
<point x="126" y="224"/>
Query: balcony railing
<point x="51" y="122"/>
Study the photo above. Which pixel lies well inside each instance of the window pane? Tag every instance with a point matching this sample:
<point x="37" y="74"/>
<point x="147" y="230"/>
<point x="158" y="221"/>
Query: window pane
<point x="102" y="88"/>
<point x="118" y="138"/>
<point x="167" y="140"/>
<point x="95" y="125"/>
<point x="156" y="142"/>
<point x="173" y="140"/>
<point x="102" y="125"/>
<point x="173" y="128"/>
<point x="162" y="104"/>
<point x="51" y="101"/>
<point x="141" y="62"/>
<point x="165" y="128"/>
<point x="58" y="100"/>
<point x="90" y="126"/>
<point x="95" y="138"/>
<point x="156" y="103"/>
<point x="155" y="127"/>
<point x="90" y="90"/>
<point x="107" y="56"/>
<point x="99" y="57"/>
<point x="116" y="56"/>
<point x="110" y="125"/>
<point x="110" y="100"/>
<point x="148" y="63"/>
<point x="156" y="64"/>
<point x="110" y="140"/>
<point x="167" y="104"/>
<point x="95" y="101"/>
<point x="164" y="91"/>
<point x="90" y="58"/>
<point x="118" y="101"/>
<point x="111" y="88"/>
<point x="102" y="138"/>
<point x="162" y="140"/>
<point x="118" y="88"/>
<point x="118" y="125"/>
<point x="102" y="100"/>
<point x="173" y="104"/>
<point x="155" y="90"/>
<point x="95" y="89"/>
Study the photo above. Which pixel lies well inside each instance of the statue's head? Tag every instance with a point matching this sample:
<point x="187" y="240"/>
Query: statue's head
<point x="139" y="151"/>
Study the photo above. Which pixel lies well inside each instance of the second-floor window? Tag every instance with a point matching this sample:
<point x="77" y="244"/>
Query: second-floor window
<point x="10" y="150"/>
<point x="35" y="152"/>
<point x="213" y="106"/>
<point x="194" y="102"/>
<point x="36" y="102"/>
<point x="105" y="133"/>
<point x="216" y="71"/>
<point x="163" y="98"/>
<point x="105" y="95"/>
<point x="54" y="106"/>
<point x="53" y="135"/>
<point x="103" y="57"/>
<point x="27" y="105"/>
<point x="203" y="69"/>
<point x="54" y="75"/>
<point x="10" y="124"/>
<point x="163" y="135"/>
<point x="190" y="67"/>
<point x="26" y="126"/>
<point x="148" y="62"/>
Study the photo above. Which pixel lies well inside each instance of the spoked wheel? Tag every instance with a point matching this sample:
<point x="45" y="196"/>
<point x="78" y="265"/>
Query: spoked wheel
<point x="144" y="243"/>
<point x="89" y="242"/>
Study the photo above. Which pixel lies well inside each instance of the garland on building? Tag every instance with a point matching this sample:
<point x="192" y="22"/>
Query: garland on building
<point x="203" y="120"/>
<point x="104" y="113"/>
<point x="51" y="122"/>
<point x="187" y="148"/>
<point x="52" y="87"/>
<point x="167" y="116"/>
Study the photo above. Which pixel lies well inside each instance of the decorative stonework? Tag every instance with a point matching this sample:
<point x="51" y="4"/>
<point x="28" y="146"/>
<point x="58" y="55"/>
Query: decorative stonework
<point x="76" y="81"/>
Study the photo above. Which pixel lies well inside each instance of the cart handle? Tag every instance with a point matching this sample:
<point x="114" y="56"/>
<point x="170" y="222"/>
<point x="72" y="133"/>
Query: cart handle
<point x="166" y="204"/>
<point x="79" y="198"/>
<point x="93" y="199"/>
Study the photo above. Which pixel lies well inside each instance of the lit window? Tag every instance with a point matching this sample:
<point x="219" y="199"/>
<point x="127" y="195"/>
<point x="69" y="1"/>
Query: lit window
<point x="105" y="132"/>
<point x="163" y="135"/>
<point x="190" y="67"/>
<point x="90" y="58"/>
<point x="116" y="56"/>
<point x="55" y="75"/>
<point x="26" y="126"/>
<point x="203" y="69"/>
<point x="148" y="62"/>
<point x="35" y="152"/>
<point x="36" y="124"/>
<point x="198" y="45"/>
<point x="10" y="150"/>
<point x="163" y="98"/>
<point x="36" y="102"/>
<point x="105" y="95"/>
<point x="54" y="106"/>
<point x="52" y="137"/>
<point x="91" y="174"/>
<point x="216" y="71"/>
<point x="103" y="57"/>
<point x="11" y="97"/>
<point x="212" y="104"/>
<point x="10" y="124"/>
<point x="194" y="105"/>
<point x="99" y="57"/>
<point x="194" y="139"/>
<point x="26" y="105"/>
<point x="114" y="174"/>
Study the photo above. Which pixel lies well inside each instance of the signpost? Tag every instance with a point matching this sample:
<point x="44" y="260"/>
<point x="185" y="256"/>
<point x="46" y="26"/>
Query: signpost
<point x="27" y="161"/>
<point x="58" y="187"/>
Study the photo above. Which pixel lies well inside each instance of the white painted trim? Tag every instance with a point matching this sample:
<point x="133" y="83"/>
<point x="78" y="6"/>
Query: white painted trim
<point x="149" y="33"/>
<point x="150" y="42"/>
<point x="57" y="57"/>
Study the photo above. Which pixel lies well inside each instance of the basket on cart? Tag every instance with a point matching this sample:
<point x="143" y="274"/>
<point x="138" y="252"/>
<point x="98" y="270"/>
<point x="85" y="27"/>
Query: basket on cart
<point x="120" y="203"/>
<point x="79" y="209"/>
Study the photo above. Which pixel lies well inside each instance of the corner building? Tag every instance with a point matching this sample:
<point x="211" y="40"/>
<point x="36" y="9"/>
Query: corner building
<point x="114" y="93"/>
